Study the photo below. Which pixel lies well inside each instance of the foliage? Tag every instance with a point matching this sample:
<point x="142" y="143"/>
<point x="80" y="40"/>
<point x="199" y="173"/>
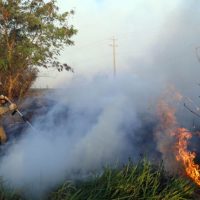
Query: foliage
<point x="141" y="181"/>
<point x="8" y="194"/>
<point x="32" y="35"/>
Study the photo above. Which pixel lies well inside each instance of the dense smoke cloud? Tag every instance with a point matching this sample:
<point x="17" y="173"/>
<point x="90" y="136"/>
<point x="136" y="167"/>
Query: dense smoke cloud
<point x="103" y="120"/>
<point x="93" y="123"/>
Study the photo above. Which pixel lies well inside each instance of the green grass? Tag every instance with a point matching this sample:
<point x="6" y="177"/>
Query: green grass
<point x="8" y="193"/>
<point x="142" y="181"/>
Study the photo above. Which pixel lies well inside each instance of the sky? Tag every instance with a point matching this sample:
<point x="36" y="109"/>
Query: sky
<point x="138" y="27"/>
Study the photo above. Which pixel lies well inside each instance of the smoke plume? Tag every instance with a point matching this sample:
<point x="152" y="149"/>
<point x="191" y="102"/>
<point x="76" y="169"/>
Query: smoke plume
<point x="92" y="123"/>
<point x="98" y="121"/>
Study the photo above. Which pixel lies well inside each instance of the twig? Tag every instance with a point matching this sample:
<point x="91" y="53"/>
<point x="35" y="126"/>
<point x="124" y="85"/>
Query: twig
<point x="195" y="113"/>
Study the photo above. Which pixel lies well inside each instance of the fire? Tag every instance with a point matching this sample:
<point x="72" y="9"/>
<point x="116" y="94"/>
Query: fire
<point x="186" y="157"/>
<point x="171" y="137"/>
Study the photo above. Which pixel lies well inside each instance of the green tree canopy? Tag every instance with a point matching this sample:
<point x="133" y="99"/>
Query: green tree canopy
<point x="32" y="34"/>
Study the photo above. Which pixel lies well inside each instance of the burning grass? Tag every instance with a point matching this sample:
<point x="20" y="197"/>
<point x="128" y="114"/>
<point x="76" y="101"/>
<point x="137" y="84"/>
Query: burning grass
<point x="142" y="180"/>
<point x="175" y="151"/>
<point x="133" y="181"/>
<point x="186" y="157"/>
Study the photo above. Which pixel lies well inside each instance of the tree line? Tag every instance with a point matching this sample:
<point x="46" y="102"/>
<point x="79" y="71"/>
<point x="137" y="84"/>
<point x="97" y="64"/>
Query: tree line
<point x="32" y="34"/>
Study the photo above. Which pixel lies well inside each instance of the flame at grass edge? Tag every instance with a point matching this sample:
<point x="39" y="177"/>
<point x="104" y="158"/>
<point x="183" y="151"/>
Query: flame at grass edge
<point x="186" y="157"/>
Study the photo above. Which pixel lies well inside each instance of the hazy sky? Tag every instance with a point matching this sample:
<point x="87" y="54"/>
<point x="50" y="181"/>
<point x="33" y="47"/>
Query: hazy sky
<point x="136" y="24"/>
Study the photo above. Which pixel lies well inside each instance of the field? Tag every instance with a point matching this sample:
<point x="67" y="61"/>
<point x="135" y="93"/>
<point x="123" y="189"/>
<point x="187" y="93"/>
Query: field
<point x="142" y="180"/>
<point x="131" y="181"/>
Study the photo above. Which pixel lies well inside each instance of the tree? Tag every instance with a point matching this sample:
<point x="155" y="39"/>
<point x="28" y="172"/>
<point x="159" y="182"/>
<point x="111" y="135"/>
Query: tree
<point x="32" y="35"/>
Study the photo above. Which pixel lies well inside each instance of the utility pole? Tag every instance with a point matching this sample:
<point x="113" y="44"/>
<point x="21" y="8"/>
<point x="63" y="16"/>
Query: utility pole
<point x="113" y="45"/>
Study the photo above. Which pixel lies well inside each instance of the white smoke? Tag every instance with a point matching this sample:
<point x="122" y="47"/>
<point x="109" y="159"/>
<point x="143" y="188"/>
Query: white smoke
<point x="88" y="127"/>
<point x="96" y="122"/>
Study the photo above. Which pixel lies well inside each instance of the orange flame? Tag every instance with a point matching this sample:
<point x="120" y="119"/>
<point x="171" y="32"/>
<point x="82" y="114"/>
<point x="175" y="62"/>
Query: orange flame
<point x="179" y="139"/>
<point x="186" y="157"/>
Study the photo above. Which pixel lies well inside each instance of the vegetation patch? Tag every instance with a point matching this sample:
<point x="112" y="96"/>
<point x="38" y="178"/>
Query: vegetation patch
<point x="133" y="181"/>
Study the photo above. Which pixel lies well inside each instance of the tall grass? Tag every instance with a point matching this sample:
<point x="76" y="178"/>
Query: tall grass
<point x="142" y="181"/>
<point x="7" y="193"/>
